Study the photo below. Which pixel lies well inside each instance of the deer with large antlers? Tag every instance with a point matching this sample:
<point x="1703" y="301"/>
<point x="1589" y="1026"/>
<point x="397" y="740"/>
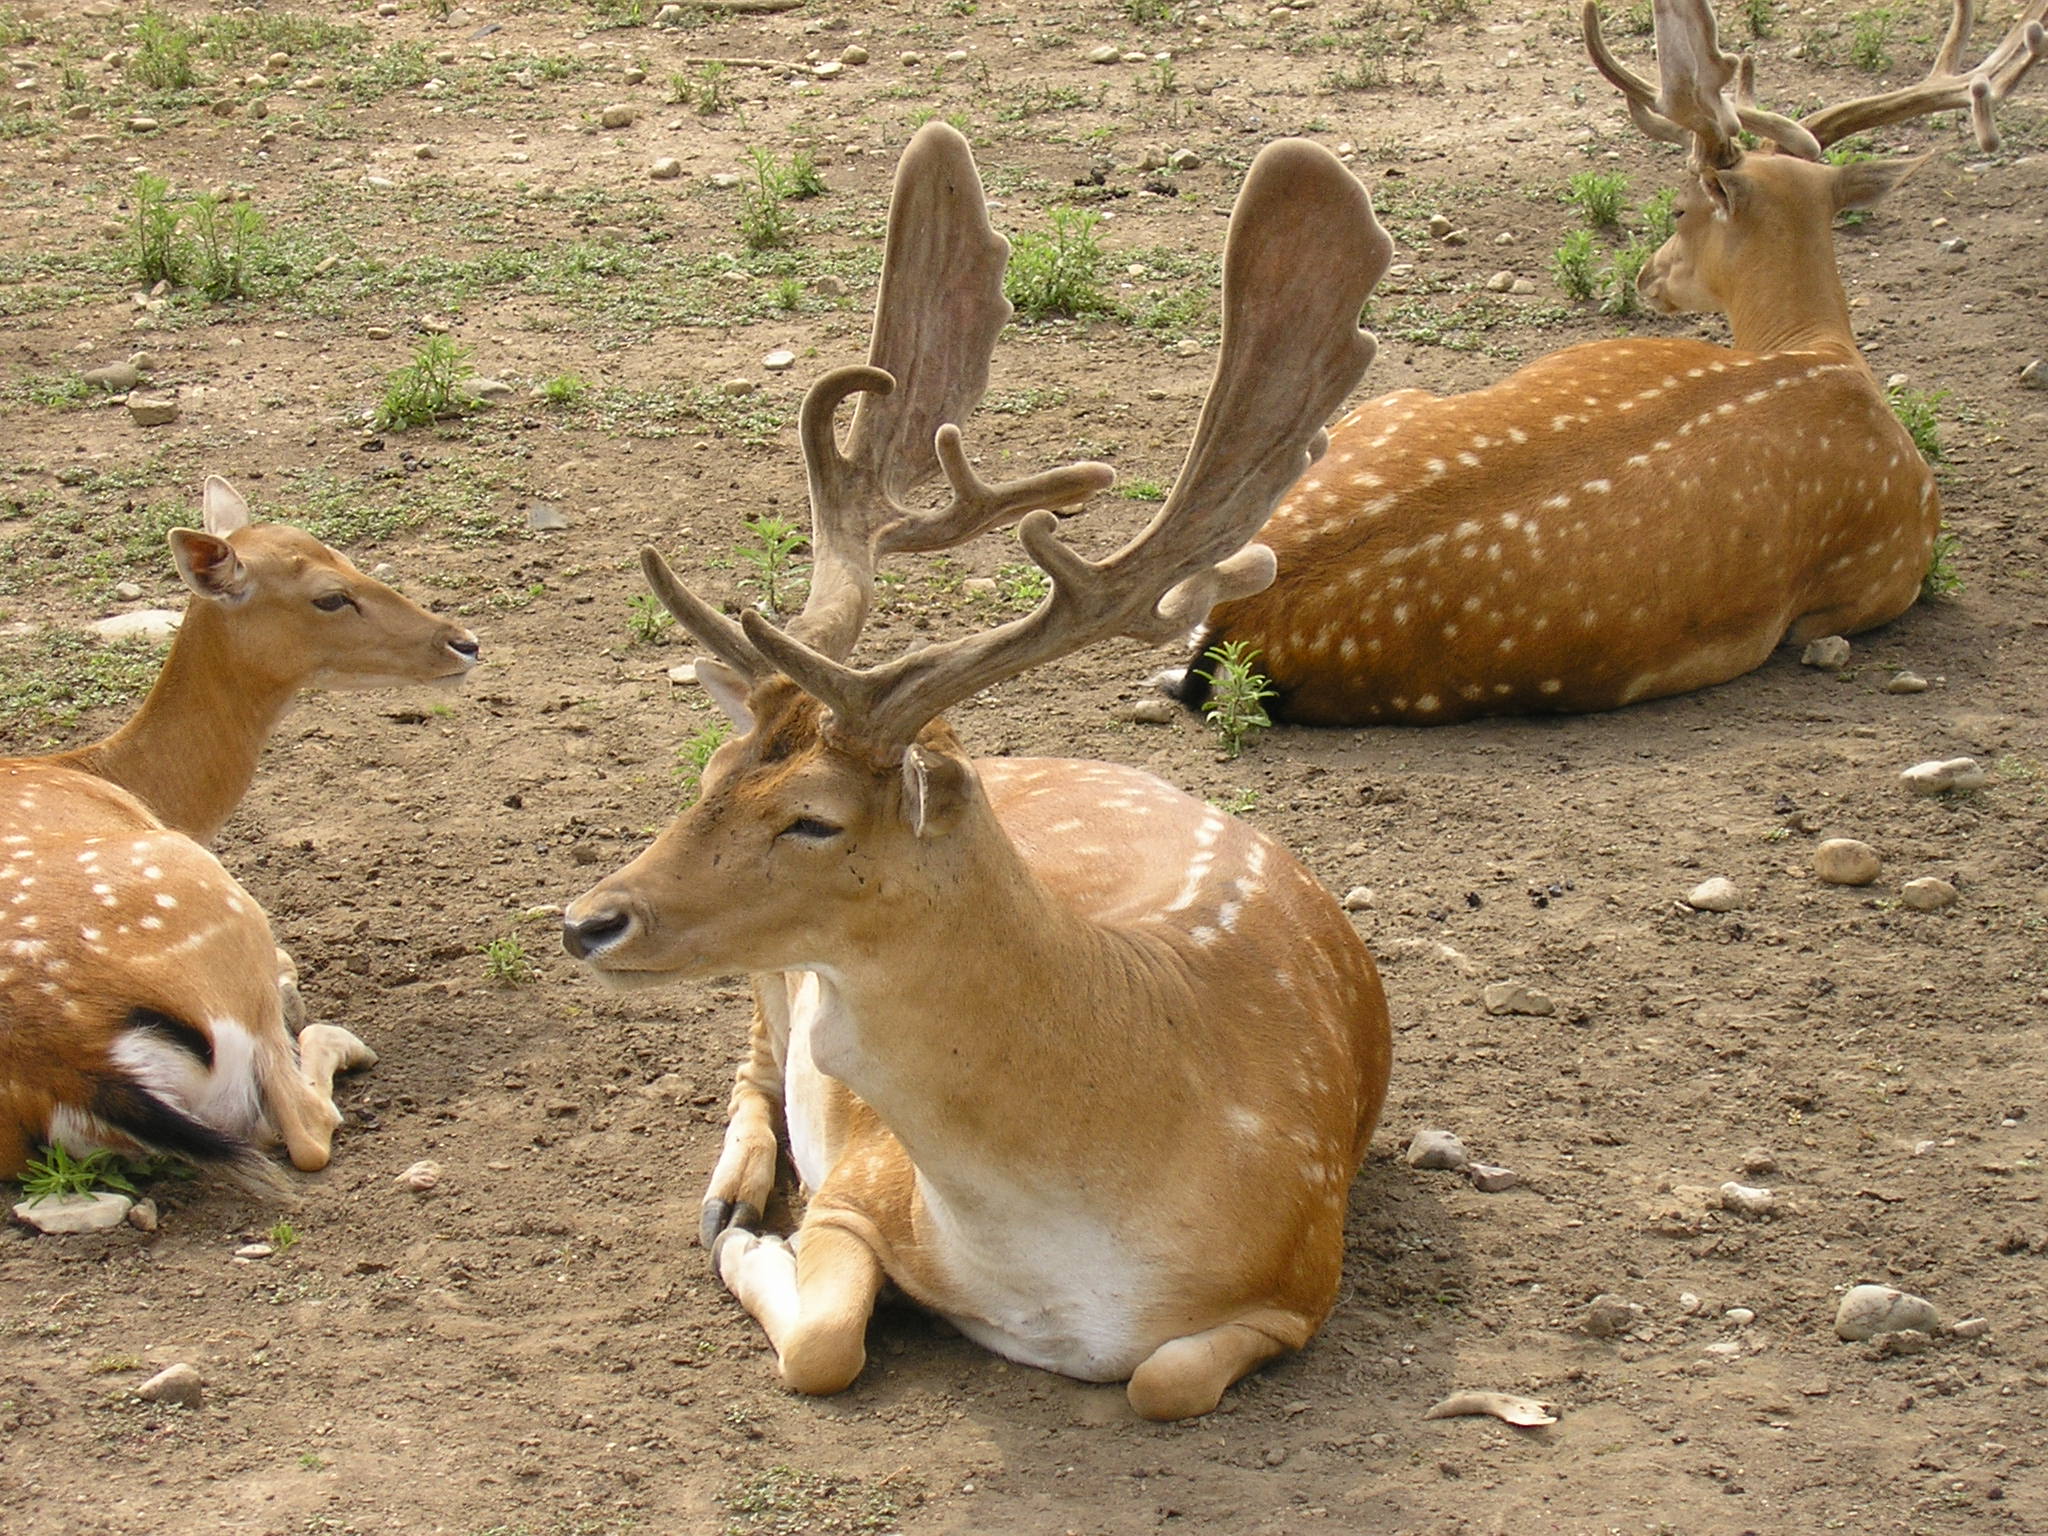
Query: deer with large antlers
<point x="1628" y="519"/>
<point x="143" y="1003"/>
<point x="1074" y="1060"/>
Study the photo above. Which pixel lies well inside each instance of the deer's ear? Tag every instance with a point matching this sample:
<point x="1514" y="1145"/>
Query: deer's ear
<point x="1728" y="190"/>
<point x="222" y="508"/>
<point x="937" y="787"/>
<point x="728" y="691"/>
<point x="208" y="564"/>
<point x="1866" y="183"/>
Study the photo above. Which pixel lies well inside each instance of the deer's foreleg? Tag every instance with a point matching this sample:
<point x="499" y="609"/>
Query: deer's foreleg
<point x="300" y="1095"/>
<point x="745" y="1175"/>
<point x="812" y="1296"/>
<point x="288" y="992"/>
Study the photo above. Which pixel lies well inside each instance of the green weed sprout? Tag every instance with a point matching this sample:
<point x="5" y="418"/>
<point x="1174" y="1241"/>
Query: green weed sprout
<point x="1059" y="273"/>
<point x="1238" y="691"/>
<point x="773" y="556"/>
<point x="1573" y="264"/>
<point x="57" y="1173"/>
<point x="427" y="388"/>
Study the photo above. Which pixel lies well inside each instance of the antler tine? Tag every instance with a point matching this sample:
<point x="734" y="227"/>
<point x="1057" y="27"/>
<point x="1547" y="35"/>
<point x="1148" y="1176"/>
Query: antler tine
<point x="1640" y="95"/>
<point x="699" y="620"/>
<point x="1303" y="253"/>
<point x="937" y="315"/>
<point x="1944" y="89"/>
<point x="1693" y="106"/>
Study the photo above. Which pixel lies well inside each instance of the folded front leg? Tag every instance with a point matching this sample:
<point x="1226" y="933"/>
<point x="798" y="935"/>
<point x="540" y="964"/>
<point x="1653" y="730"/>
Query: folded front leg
<point x="812" y="1295"/>
<point x="745" y="1176"/>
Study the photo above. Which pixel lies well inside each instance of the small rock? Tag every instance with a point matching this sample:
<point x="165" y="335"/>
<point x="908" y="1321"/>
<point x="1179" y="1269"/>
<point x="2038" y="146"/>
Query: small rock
<point x="667" y="168"/>
<point x="1153" y="712"/>
<point x="684" y="674"/>
<point x="156" y="625"/>
<point x="1439" y="226"/>
<point x="853" y="53"/>
<point x="2035" y="375"/>
<point x="1759" y="1160"/>
<point x="254" y="1251"/>
<point x="979" y="586"/>
<point x="128" y="591"/>
<point x="377" y="332"/>
<point x="1152" y="158"/>
<point x="1505" y="237"/>
<point x="1491" y="1178"/>
<point x="1929" y="893"/>
<point x="1902" y="1341"/>
<point x="379" y="183"/>
<point x="1719" y="894"/>
<point x="1455" y="237"/>
<point x="487" y="389"/>
<point x="1358" y="899"/>
<point x="1513" y="997"/>
<point x="828" y="69"/>
<point x="142" y="125"/>
<point x="424" y="152"/>
<point x="779" y="361"/>
<point x="1741" y="1317"/>
<point x="668" y="15"/>
<point x="1103" y="53"/>
<point x="635" y="76"/>
<point x="617" y="115"/>
<point x="1500" y="282"/>
<point x="1868" y="1310"/>
<point x="64" y="1214"/>
<point x="1747" y="1200"/>
<point x="546" y="517"/>
<point x="1906" y="682"/>
<point x="1845" y="861"/>
<point x="1523" y="285"/>
<point x="828" y="287"/>
<point x="1830" y="651"/>
<point x="1970" y="1328"/>
<point x="176" y="1384"/>
<point x="152" y="410"/>
<point x="738" y="387"/>
<point x="1935" y="778"/>
<point x="1607" y="1316"/>
<point x="142" y="1215"/>
<point x="1184" y="160"/>
<point x="421" y="1177"/>
<point x="116" y="378"/>
<point x="910" y="58"/>
<point x="1436" y="1149"/>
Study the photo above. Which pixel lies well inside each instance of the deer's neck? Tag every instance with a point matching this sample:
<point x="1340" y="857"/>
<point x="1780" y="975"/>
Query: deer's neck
<point x="974" y="1029"/>
<point x="190" y="751"/>
<point x="1792" y="307"/>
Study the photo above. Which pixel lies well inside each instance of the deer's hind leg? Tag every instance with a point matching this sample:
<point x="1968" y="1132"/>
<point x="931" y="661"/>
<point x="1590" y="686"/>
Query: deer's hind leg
<point x="1187" y="1377"/>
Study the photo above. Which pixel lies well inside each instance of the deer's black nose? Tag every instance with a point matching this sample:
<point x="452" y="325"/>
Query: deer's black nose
<point x="592" y="935"/>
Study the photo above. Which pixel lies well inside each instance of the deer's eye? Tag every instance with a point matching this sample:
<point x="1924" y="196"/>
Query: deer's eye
<point x="333" y="602"/>
<point x="811" y="829"/>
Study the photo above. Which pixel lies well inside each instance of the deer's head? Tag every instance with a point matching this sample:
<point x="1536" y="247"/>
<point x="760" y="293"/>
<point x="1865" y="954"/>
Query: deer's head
<point x="843" y="802"/>
<point x="303" y="615"/>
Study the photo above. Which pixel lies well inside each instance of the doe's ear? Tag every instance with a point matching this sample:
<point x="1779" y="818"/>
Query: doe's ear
<point x="1865" y="183"/>
<point x="222" y="509"/>
<point x="936" y="789"/>
<point x="209" y="565"/>
<point x="728" y="691"/>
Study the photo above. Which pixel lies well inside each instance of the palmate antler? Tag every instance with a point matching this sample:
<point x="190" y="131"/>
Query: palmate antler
<point x="1303" y="253"/>
<point x="937" y="315"/>
<point x="1692" y="101"/>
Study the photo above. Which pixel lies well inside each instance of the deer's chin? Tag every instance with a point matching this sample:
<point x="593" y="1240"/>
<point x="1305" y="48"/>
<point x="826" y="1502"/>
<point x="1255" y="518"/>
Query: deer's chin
<point x="632" y="981"/>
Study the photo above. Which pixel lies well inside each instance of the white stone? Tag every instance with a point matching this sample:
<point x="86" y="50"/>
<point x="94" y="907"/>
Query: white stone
<point x="1845" y="861"/>
<point x="1929" y="893"/>
<point x="1491" y="1178"/>
<point x="1154" y="711"/>
<point x="1740" y="1316"/>
<point x="422" y="1177"/>
<point x="1906" y="682"/>
<point x="63" y="1214"/>
<point x="779" y="361"/>
<point x="152" y="410"/>
<point x="1868" y="1310"/>
<point x="684" y="674"/>
<point x="1103" y="53"/>
<point x="1608" y="1316"/>
<point x="1747" y="1199"/>
<point x="157" y="625"/>
<point x="179" y="1384"/>
<point x="1500" y="282"/>
<point x="1358" y="899"/>
<point x="1720" y="894"/>
<point x="618" y="115"/>
<point x="254" y="1251"/>
<point x="1514" y="997"/>
<point x="1829" y="651"/>
<point x="667" y="168"/>
<point x="1935" y="778"/>
<point x="1436" y="1149"/>
<point x="1971" y="1328"/>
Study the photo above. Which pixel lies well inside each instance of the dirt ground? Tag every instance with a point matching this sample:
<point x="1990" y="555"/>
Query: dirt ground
<point x="538" y="1346"/>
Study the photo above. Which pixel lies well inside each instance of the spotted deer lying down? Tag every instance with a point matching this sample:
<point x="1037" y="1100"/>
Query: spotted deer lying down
<point x="1628" y="519"/>
<point x="141" y="1006"/>
<point x="1074" y="1060"/>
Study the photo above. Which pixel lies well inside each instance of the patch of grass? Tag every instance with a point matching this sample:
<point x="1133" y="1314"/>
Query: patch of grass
<point x="1236" y="708"/>
<point x="1142" y="490"/>
<point x="1022" y="402"/>
<point x="772" y="554"/>
<point x="693" y="754"/>
<point x="400" y="67"/>
<point x="1366" y="67"/>
<point x="56" y="391"/>
<point x="51" y="678"/>
<point x="156" y="251"/>
<point x="162" y="60"/>
<point x="564" y="391"/>
<point x="786" y="1501"/>
<point x="1660" y="216"/>
<point x="1618" y="281"/>
<point x="427" y="388"/>
<point x="57" y="1173"/>
<point x="1572" y="264"/>
<point x="765" y="220"/>
<point x="709" y="90"/>
<point x="227" y="243"/>
<point x="1240" y="802"/>
<point x="252" y="36"/>
<point x="506" y="962"/>
<point x="1870" y="36"/>
<point x="1919" y="412"/>
<point x="1152" y="13"/>
<point x="1058" y="273"/>
<point x="1022" y="585"/>
<point x="109" y="1365"/>
<point x="1598" y="195"/>
<point x="282" y="1235"/>
<point x="1942" y="578"/>
<point x="1760" y="16"/>
<point x="647" y="622"/>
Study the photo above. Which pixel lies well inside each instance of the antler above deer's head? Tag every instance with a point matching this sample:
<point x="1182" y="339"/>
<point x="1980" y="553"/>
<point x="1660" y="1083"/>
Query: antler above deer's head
<point x="1692" y="103"/>
<point x="1303" y="253"/>
<point x="937" y="315"/>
